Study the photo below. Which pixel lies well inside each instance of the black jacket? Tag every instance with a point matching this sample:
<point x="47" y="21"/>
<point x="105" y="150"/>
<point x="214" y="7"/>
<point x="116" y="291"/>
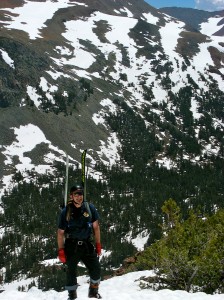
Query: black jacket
<point x="80" y="224"/>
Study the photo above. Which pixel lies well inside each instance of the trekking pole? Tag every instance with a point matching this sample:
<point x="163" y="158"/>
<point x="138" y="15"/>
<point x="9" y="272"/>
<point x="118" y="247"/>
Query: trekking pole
<point x="84" y="177"/>
<point x="84" y="173"/>
<point x="66" y="180"/>
<point x="87" y="169"/>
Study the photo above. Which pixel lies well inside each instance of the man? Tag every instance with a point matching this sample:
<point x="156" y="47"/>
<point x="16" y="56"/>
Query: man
<point x="77" y="222"/>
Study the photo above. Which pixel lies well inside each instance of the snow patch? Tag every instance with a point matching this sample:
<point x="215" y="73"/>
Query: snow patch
<point x="7" y="58"/>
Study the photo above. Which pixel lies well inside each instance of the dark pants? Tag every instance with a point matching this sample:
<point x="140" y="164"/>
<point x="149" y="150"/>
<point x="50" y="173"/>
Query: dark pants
<point x="76" y="252"/>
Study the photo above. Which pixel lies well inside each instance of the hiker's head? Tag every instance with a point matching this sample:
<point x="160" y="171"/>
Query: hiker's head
<point x="76" y="188"/>
<point x="76" y="194"/>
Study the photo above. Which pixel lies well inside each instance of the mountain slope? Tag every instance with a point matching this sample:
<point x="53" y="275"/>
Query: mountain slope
<point x="84" y="44"/>
<point x="191" y="17"/>
<point x="141" y="90"/>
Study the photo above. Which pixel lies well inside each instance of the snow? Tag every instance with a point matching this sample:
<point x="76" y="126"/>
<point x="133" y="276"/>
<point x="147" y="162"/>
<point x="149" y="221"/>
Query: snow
<point x="194" y="109"/>
<point x="81" y="59"/>
<point x="140" y="240"/>
<point x="166" y="163"/>
<point x="25" y="141"/>
<point x="32" y="93"/>
<point x="127" y="11"/>
<point x="209" y="28"/>
<point x="107" y="102"/>
<point x="30" y="135"/>
<point x="124" y="287"/>
<point x="32" y="15"/>
<point x="77" y="30"/>
<point x="55" y="74"/>
<point x="116" y="23"/>
<point x="150" y="18"/>
<point x="7" y="59"/>
<point x="46" y="86"/>
<point x="109" y="150"/>
<point x="169" y="36"/>
<point x="48" y="89"/>
<point x="27" y="138"/>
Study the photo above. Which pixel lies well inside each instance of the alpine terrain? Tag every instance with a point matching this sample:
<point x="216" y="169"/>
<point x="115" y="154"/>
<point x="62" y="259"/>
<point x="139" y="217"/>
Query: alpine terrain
<point x="143" y="90"/>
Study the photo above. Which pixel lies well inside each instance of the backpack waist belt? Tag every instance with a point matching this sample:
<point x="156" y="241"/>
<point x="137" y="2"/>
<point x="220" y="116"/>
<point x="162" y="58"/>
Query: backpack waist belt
<point x="78" y="241"/>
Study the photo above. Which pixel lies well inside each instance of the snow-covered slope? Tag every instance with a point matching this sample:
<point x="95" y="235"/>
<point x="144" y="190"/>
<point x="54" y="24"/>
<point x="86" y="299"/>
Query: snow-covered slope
<point x="120" y="49"/>
<point x="125" y="287"/>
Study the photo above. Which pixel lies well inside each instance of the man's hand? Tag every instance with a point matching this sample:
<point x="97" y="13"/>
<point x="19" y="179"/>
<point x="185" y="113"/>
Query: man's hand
<point x="61" y="255"/>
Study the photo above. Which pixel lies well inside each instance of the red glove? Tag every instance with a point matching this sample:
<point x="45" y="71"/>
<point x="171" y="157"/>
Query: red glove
<point x="61" y="255"/>
<point x="98" y="248"/>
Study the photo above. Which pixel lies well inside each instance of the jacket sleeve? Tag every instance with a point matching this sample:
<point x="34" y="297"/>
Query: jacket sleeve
<point x="95" y="214"/>
<point x="62" y="224"/>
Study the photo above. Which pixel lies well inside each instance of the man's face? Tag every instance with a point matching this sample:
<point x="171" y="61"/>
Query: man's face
<point x="77" y="198"/>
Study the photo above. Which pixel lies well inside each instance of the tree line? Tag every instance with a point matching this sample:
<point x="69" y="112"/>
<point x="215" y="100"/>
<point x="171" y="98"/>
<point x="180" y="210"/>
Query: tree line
<point x="128" y="203"/>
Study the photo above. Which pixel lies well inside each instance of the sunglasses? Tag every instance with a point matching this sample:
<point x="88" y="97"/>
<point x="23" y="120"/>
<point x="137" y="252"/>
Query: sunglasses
<point x="78" y="194"/>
